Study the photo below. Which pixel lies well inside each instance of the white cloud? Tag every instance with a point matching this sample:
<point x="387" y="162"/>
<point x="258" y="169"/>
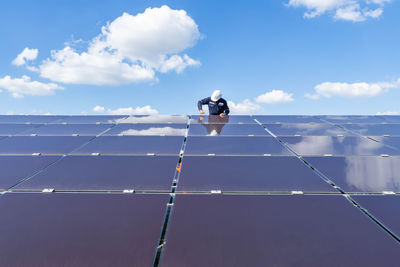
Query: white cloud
<point x="244" y="107"/>
<point x="19" y="87"/>
<point x="275" y="97"/>
<point x="351" y="90"/>
<point x="26" y="55"/>
<point x="350" y="10"/>
<point x="98" y="109"/>
<point x="129" y="49"/>
<point x="145" y="110"/>
<point x="388" y="113"/>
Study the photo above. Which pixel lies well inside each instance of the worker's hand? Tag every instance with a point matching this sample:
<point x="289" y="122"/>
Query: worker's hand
<point x="222" y="115"/>
<point x="201" y="118"/>
<point x="201" y="111"/>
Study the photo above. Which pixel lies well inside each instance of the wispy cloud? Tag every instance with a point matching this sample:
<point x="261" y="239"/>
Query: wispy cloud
<point x="275" y="97"/>
<point x="145" y="110"/>
<point x="27" y="54"/>
<point x="19" y="87"/>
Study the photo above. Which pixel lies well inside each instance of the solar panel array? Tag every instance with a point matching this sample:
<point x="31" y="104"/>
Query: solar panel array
<point x="175" y="190"/>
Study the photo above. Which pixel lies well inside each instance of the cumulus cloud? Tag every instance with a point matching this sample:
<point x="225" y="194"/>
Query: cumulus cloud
<point x="350" y="10"/>
<point x="19" y="87"/>
<point x="244" y="107"/>
<point x="145" y="110"/>
<point x="129" y="49"/>
<point x="275" y="97"/>
<point x="98" y="109"/>
<point x="388" y="113"/>
<point x="351" y="90"/>
<point x="26" y="55"/>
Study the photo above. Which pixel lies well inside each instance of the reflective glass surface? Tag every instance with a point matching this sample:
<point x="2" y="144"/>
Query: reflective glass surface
<point x="106" y="173"/>
<point x="286" y="119"/>
<point x="353" y="119"/>
<point x="306" y="129"/>
<point x="69" y="129"/>
<point x="391" y="141"/>
<point x="154" y="119"/>
<point x="15" y="168"/>
<point x="395" y="119"/>
<point x="133" y="145"/>
<point x="148" y="129"/>
<point x="384" y="208"/>
<point x="349" y="145"/>
<point x="374" y="129"/>
<point x="41" y="144"/>
<point x="79" y="229"/>
<point x="228" y="145"/>
<point x="308" y="230"/>
<point x="29" y="118"/>
<point x="249" y="174"/>
<point x="226" y="129"/>
<point x="91" y="119"/>
<point x="360" y="174"/>
<point x="217" y="119"/>
<point x="11" y="128"/>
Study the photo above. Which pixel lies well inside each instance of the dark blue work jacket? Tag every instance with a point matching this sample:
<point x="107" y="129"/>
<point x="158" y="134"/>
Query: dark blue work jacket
<point x="215" y="108"/>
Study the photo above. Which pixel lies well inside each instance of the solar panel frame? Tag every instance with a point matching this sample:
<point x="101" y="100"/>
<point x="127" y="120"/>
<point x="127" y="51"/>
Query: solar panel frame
<point x="227" y="129"/>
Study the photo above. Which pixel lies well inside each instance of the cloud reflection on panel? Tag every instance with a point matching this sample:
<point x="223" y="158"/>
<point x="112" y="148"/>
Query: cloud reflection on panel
<point x="305" y="129"/>
<point x="350" y="145"/>
<point x="149" y="129"/>
<point x="154" y="119"/>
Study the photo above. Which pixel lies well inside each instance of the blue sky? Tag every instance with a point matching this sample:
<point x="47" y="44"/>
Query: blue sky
<point x="267" y="57"/>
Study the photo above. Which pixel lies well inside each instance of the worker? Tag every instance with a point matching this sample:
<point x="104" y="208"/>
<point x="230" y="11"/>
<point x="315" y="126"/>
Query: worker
<point x="214" y="124"/>
<point x="216" y="104"/>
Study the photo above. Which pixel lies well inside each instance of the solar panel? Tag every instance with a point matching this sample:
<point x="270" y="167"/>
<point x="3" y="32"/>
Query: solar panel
<point x="10" y="129"/>
<point x="15" y="168"/>
<point x="154" y="119"/>
<point x="79" y="229"/>
<point x="273" y="174"/>
<point x="226" y="129"/>
<point x="306" y="129"/>
<point x="309" y="230"/>
<point x="391" y="118"/>
<point x="232" y="145"/>
<point x="360" y="174"/>
<point x="286" y="119"/>
<point x="217" y="119"/>
<point x="29" y="118"/>
<point x="106" y="173"/>
<point x="384" y="208"/>
<point x="391" y="141"/>
<point x="353" y="119"/>
<point x="91" y="119"/>
<point x="68" y="129"/>
<point x="332" y="145"/>
<point x="148" y="129"/>
<point x="133" y="145"/>
<point x="41" y="144"/>
<point x="375" y="129"/>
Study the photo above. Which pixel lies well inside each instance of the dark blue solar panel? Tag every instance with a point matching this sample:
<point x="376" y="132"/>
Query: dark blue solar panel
<point x="217" y="119"/>
<point x="384" y="208"/>
<point x="234" y="230"/>
<point x="391" y="118"/>
<point x="148" y="129"/>
<point x="69" y="129"/>
<point x="360" y="174"/>
<point x="349" y="145"/>
<point x="15" y="168"/>
<point x="353" y="119"/>
<point x="306" y="129"/>
<point x="226" y="129"/>
<point x="391" y="141"/>
<point x="286" y="119"/>
<point x="91" y="119"/>
<point x="375" y="129"/>
<point x="29" y="118"/>
<point x="229" y="145"/>
<point x="286" y="174"/>
<point x="106" y="173"/>
<point x="11" y="128"/>
<point x="79" y="229"/>
<point x="41" y="144"/>
<point x="133" y="145"/>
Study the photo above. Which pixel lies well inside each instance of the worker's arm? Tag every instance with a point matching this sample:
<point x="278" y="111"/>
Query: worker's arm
<point x="226" y="108"/>
<point x="202" y="102"/>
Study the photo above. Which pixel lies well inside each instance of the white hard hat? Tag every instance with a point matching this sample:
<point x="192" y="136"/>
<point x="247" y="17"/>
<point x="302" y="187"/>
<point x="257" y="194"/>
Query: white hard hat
<point x="216" y="95"/>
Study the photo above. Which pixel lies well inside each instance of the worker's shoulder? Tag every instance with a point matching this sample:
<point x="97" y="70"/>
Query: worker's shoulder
<point x="222" y="100"/>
